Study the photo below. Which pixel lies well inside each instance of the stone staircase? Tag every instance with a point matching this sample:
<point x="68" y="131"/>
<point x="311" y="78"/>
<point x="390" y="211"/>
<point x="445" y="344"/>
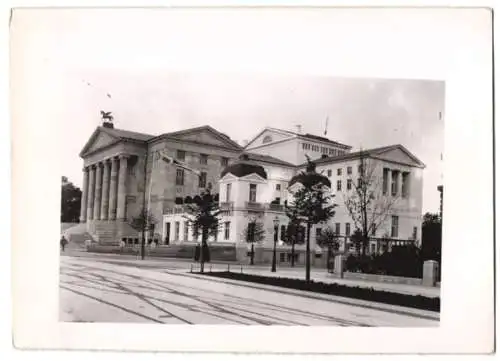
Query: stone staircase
<point x="110" y="232"/>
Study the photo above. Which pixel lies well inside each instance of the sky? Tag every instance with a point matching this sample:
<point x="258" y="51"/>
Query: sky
<point x="161" y="80"/>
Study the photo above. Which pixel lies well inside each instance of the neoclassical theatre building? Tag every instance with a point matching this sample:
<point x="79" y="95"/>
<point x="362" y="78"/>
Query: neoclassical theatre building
<point x="124" y="174"/>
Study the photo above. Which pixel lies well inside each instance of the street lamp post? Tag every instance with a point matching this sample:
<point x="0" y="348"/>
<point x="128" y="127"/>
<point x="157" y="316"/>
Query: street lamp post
<point x="276" y="222"/>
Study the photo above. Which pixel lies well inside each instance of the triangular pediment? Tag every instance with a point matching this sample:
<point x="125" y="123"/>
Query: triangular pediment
<point x="401" y="155"/>
<point x="269" y="135"/>
<point x="205" y="135"/>
<point x="253" y="178"/>
<point x="99" y="139"/>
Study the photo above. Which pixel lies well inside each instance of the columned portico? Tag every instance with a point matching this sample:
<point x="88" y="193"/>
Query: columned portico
<point x="90" y="198"/>
<point x="97" y="195"/>
<point x="105" y="190"/>
<point x="83" y="208"/>
<point x="121" y="197"/>
<point x="113" y="189"/>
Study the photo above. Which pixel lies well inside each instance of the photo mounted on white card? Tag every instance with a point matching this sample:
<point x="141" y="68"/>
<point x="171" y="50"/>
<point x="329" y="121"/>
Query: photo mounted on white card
<point x="213" y="169"/>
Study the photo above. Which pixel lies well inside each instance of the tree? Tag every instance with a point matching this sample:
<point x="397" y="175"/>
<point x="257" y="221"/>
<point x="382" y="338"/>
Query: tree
<point x="144" y="222"/>
<point x="203" y="216"/>
<point x="71" y="198"/>
<point x="366" y="202"/>
<point x="294" y="231"/>
<point x="329" y="239"/>
<point x="254" y="232"/>
<point x="312" y="203"/>
<point x="431" y="237"/>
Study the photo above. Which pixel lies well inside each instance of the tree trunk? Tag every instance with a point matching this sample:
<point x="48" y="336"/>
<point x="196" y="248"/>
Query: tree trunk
<point x="308" y="252"/>
<point x="328" y="258"/>
<point x="293" y="253"/>
<point x="204" y="235"/>
<point x="252" y="254"/>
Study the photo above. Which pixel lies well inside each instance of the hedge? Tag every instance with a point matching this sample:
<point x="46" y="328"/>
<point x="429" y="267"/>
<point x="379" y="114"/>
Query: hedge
<point x="362" y="293"/>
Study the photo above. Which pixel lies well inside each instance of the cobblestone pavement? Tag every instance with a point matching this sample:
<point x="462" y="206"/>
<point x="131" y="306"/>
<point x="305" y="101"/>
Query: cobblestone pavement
<point x="93" y="290"/>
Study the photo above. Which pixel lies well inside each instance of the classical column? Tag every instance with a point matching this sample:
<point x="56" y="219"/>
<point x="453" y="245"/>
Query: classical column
<point x="83" y="208"/>
<point x="97" y="195"/>
<point x="113" y="184"/>
<point x="105" y="190"/>
<point x="122" y="191"/>
<point x="90" y="198"/>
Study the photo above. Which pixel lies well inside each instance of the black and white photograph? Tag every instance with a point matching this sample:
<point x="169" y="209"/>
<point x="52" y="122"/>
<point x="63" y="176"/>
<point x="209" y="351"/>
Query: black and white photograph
<point x="204" y="170"/>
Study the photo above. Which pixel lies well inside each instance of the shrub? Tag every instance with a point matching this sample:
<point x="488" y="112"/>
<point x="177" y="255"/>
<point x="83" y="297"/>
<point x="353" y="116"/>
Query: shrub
<point x="369" y="294"/>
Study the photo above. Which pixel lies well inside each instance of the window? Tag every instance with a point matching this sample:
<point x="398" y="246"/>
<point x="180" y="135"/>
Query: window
<point x="349" y="170"/>
<point x="181" y="155"/>
<point x="414" y="233"/>
<point x="394" y="183"/>
<point x="339" y="171"/>
<point x="349" y="184"/>
<point x="373" y="229"/>
<point x="347" y="229"/>
<point x="339" y="185"/>
<point x="385" y="181"/>
<point x="324" y="150"/>
<point x="329" y="172"/>
<point x="226" y="230"/>
<point x="337" y="228"/>
<point x="405" y="185"/>
<point x="359" y="182"/>
<point x="372" y="248"/>
<point x="203" y="158"/>
<point x="224" y="161"/>
<point x="186" y="230"/>
<point x="331" y="151"/>
<point x="179" y="177"/>
<point x="283" y="233"/>
<point x="394" y="226"/>
<point x="277" y="200"/>
<point x="177" y="230"/>
<point x="267" y="139"/>
<point x="282" y="257"/>
<point x="318" y="232"/>
<point x="252" y="195"/>
<point x="167" y="233"/>
<point x="304" y="146"/>
<point x="278" y="187"/>
<point x="228" y="192"/>
<point x="360" y="168"/>
<point x="202" y="180"/>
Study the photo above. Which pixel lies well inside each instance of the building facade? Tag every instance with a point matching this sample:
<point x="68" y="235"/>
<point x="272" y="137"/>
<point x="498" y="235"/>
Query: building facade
<point x="124" y="174"/>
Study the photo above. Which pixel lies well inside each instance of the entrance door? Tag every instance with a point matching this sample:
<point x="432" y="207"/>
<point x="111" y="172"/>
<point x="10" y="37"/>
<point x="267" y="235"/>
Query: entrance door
<point x="167" y="233"/>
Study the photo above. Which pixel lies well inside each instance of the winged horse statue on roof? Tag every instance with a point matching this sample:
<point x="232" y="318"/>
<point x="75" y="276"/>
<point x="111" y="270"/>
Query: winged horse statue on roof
<point x="106" y="116"/>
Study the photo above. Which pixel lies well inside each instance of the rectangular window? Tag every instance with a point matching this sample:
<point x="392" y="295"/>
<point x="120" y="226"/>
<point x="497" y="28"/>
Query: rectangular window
<point x="304" y="146"/>
<point x="283" y="233"/>
<point x="226" y="230"/>
<point x="186" y="230"/>
<point x="385" y="182"/>
<point x="228" y="192"/>
<point x="277" y="200"/>
<point x="318" y="232"/>
<point x="167" y="233"/>
<point x="282" y="257"/>
<point x="278" y="187"/>
<point x="359" y="182"/>
<point x="329" y="172"/>
<point x="177" y="230"/>
<point x="339" y="185"/>
<point x="414" y="233"/>
<point x="337" y="229"/>
<point x="349" y="170"/>
<point x="224" y="161"/>
<point x="181" y="155"/>
<point x="203" y="158"/>
<point x="179" y="177"/>
<point x="373" y="248"/>
<point x="202" y="180"/>
<point x="347" y="229"/>
<point x="394" y="182"/>
<point x="405" y="186"/>
<point x="360" y="168"/>
<point x="339" y="171"/>
<point x="394" y="226"/>
<point x="373" y="229"/>
<point x="349" y="184"/>
<point x="252" y="195"/>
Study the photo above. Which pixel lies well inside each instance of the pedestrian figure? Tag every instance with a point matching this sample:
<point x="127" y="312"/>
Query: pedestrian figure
<point x="64" y="242"/>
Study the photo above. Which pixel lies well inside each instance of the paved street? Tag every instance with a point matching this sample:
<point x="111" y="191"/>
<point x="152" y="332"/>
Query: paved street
<point x="113" y="289"/>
